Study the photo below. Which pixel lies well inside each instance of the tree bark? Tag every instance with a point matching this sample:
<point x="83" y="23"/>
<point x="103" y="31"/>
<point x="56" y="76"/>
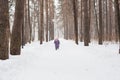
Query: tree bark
<point x="29" y="22"/>
<point x="15" y="47"/>
<point x="100" y="24"/>
<point x="4" y="27"/>
<point x="75" y="20"/>
<point x="118" y="19"/>
<point x="42" y="22"/>
<point x="86" y="23"/>
<point x="46" y="3"/>
<point x="81" y="28"/>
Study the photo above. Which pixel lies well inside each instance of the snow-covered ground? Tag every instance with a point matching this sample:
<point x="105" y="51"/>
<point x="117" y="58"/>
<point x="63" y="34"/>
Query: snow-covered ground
<point x="70" y="62"/>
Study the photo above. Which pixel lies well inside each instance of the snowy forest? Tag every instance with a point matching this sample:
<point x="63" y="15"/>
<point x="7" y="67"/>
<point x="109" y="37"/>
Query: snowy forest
<point x="88" y="30"/>
<point x="79" y="20"/>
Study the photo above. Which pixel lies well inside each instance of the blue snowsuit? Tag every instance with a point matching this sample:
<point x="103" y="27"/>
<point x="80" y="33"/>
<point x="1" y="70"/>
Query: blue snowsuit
<point x="56" y="42"/>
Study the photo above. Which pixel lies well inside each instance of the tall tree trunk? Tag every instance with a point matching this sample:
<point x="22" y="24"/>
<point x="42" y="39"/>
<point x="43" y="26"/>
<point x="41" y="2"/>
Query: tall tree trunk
<point x="23" y="28"/>
<point x="34" y="24"/>
<point x="42" y="22"/>
<point x="51" y="16"/>
<point x="29" y="22"/>
<point x="23" y="43"/>
<point x="100" y="32"/>
<point x="46" y="3"/>
<point x="118" y="19"/>
<point x="96" y="18"/>
<point x="110" y="20"/>
<point x="38" y="19"/>
<point x="27" y="28"/>
<point x="15" y="47"/>
<point x="86" y="23"/>
<point x="75" y="20"/>
<point x="89" y="17"/>
<point x="81" y="29"/>
<point x="4" y="27"/>
<point x="106" y="20"/>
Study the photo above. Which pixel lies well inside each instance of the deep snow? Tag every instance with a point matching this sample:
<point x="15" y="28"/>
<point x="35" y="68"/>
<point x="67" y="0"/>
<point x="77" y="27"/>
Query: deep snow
<point x="70" y="62"/>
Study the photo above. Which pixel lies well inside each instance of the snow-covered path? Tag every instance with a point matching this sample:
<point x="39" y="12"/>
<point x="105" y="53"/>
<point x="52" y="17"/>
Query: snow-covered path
<point x="70" y="62"/>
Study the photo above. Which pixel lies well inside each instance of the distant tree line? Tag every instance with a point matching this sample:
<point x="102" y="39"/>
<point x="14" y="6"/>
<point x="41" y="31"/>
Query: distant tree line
<point x="96" y="20"/>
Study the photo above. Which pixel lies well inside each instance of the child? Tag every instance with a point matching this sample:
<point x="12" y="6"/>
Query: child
<point x="56" y="42"/>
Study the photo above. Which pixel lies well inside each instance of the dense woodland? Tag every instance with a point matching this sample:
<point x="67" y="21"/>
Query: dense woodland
<point x="78" y="20"/>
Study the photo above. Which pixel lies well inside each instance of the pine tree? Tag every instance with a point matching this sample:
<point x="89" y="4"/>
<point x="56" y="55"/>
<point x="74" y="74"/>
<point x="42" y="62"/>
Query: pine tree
<point x="15" y="46"/>
<point x="86" y="23"/>
<point x="4" y="29"/>
<point x="75" y="20"/>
